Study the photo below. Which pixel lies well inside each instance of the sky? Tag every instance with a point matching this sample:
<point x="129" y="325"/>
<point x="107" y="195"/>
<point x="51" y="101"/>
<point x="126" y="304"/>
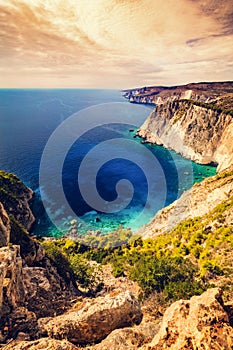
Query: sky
<point x="114" y="43"/>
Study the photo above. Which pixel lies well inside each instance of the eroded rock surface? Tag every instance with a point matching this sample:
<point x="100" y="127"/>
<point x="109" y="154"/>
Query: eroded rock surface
<point x="198" y="323"/>
<point x="11" y="285"/>
<point x="41" y="344"/>
<point x="198" y="133"/>
<point x="130" y="338"/>
<point x="93" y="322"/>
<point x="4" y="227"/>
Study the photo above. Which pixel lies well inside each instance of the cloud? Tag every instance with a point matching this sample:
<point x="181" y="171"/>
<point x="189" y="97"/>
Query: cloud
<point x="114" y="43"/>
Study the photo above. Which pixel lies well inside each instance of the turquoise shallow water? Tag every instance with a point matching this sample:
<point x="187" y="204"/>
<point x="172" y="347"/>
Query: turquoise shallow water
<point x="29" y="117"/>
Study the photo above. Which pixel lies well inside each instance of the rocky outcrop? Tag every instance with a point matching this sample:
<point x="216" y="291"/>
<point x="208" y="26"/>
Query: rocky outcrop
<point x="16" y="197"/>
<point x="30" y="250"/>
<point x="21" y="324"/>
<point x="41" y="344"/>
<point x="130" y="338"/>
<point x="11" y="285"/>
<point x="4" y="227"/>
<point x="201" y="134"/>
<point x="198" y="323"/>
<point x="198" y="201"/>
<point x="95" y="320"/>
<point x="46" y="292"/>
<point x="30" y="284"/>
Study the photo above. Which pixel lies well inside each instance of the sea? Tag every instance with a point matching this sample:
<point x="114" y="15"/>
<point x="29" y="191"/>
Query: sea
<point x="79" y="152"/>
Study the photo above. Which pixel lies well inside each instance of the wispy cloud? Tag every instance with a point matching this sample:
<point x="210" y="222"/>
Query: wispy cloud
<point x="114" y="43"/>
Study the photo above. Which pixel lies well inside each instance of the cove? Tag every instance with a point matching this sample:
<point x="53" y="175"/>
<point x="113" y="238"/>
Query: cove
<point x="25" y="131"/>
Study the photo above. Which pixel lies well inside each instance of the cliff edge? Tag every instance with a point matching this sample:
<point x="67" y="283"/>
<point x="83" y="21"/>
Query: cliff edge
<point x="195" y="120"/>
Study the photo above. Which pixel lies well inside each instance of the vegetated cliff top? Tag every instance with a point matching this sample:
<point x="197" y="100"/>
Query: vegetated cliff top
<point x="203" y="87"/>
<point x="221" y="93"/>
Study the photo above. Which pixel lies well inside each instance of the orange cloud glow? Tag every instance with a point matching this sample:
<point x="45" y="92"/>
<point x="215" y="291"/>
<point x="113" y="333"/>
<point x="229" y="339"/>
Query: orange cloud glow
<point x="114" y="43"/>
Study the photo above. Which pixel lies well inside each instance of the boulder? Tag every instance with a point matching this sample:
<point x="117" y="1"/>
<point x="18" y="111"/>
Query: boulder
<point x="94" y="320"/>
<point x="46" y="292"/>
<point x="4" y="227"/>
<point x="198" y="323"/>
<point x="41" y="344"/>
<point x="130" y="338"/>
<point x="20" y="324"/>
<point x="11" y="286"/>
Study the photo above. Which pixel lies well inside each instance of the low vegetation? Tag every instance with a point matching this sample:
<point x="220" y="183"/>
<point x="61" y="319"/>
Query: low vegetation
<point x="214" y="105"/>
<point x="197" y="253"/>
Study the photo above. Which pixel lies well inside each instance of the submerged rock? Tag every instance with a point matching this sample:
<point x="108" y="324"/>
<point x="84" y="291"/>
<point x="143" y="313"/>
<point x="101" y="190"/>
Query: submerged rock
<point x="95" y="320"/>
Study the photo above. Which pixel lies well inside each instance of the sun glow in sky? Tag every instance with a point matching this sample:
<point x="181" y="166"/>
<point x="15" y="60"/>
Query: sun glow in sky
<point x="114" y="43"/>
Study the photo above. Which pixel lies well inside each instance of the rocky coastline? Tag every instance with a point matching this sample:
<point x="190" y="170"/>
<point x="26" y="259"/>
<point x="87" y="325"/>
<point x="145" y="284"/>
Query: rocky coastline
<point x="194" y="120"/>
<point x="49" y="298"/>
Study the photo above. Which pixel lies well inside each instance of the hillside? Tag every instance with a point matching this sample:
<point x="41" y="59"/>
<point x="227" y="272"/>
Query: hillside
<point x="61" y="294"/>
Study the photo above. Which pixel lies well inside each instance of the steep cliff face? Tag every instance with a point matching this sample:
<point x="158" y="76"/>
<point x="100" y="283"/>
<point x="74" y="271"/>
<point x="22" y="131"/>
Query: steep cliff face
<point x="198" y="201"/>
<point x="195" y="120"/>
<point x="30" y="285"/>
<point x="199" y="133"/>
<point x="4" y="227"/>
<point x="11" y="285"/>
<point x="15" y="197"/>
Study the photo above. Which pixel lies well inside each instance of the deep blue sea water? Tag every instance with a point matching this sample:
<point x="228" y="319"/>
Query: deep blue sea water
<point x="103" y="154"/>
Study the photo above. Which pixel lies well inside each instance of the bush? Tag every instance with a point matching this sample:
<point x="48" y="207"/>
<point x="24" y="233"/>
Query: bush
<point x="70" y="266"/>
<point x="183" y="289"/>
<point x="154" y="274"/>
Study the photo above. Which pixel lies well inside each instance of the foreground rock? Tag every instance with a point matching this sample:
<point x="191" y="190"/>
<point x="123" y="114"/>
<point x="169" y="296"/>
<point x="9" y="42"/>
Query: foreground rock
<point x="41" y="344"/>
<point x="11" y="285"/>
<point x="4" y="227"/>
<point x="198" y="323"/>
<point x="30" y="283"/>
<point x="130" y="338"/>
<point x="94" y="320"/>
